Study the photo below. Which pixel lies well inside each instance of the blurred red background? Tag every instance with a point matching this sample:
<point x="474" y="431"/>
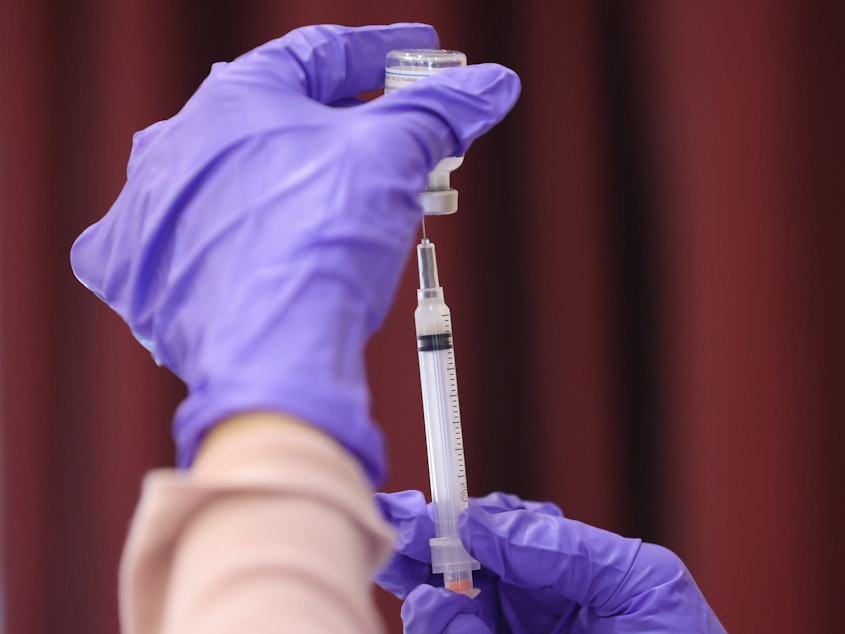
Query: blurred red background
<point x="646" y="279"/>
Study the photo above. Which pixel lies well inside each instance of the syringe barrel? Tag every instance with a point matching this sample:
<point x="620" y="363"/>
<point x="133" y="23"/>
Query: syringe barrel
<point x="444" y="440"/>
<point x="442" y="414"/>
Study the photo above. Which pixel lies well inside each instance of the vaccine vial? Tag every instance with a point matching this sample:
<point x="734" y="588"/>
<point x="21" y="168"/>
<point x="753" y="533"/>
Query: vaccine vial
<point x="404" y="67"/>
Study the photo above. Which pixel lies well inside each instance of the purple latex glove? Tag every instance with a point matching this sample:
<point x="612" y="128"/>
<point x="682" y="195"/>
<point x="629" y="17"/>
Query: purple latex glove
<point x="540" y="573"/>
<point x="261" y="233"/>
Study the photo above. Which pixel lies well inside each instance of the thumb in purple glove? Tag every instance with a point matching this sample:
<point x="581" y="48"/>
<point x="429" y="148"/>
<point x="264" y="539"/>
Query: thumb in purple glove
<point x="429" y="610"/>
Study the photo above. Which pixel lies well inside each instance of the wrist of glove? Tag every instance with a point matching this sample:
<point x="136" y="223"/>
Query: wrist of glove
<point x="541" y="572"/>
<point x="261" y="232"/>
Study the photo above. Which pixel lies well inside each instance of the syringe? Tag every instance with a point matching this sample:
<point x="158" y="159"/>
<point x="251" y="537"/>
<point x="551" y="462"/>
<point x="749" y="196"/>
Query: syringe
<point x="446" y="466"/>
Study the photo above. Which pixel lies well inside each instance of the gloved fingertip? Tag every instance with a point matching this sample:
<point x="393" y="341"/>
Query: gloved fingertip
<point x="401" y="505"/>
<point x="493" y="77"/>
<point x="495" y="500"/>
<point x="402" y="574"/>
<point x="449" y="110"/>
<point x="85" y="268"/>
<point x="483" y="512"/>
<point x="430" y="610"/>
<point x="467" y="624"/>
<point x="498" y="85"/>
<point x="425" y="33"/>
<point x="498" y="502"/>
<point x="407" y="512"/>
<point x="478" y="535"/>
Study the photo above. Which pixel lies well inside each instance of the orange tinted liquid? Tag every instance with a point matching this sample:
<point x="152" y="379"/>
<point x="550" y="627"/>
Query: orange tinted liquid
<point x="459" y="586"/>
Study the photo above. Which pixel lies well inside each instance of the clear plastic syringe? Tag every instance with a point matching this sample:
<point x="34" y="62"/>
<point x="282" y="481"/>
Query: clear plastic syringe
<point x="444" y="440"/>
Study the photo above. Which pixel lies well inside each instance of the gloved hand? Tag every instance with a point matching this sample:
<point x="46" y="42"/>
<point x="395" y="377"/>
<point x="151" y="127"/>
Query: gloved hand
<point x="261" y="232"/>
<point x="540" y="573"/>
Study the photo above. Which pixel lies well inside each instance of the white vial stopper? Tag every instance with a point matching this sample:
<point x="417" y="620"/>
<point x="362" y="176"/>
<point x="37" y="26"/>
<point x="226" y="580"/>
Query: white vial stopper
<point x="403" y="67"/>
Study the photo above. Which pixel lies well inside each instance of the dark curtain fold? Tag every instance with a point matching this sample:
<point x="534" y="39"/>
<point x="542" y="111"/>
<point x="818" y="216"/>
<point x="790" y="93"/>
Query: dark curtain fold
<point x="646" y="279"/>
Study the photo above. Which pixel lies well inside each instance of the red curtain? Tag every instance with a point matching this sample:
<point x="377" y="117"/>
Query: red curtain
<point x="646" y="279"/>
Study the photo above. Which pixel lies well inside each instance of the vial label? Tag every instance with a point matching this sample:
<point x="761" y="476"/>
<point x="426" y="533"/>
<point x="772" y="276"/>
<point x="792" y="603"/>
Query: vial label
<point x="394" y="79"/>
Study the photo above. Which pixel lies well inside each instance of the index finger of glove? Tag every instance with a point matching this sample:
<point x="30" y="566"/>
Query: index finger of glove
<point x="581" y="563"/>
<point x="330" y="62"/>
<point x="445" y="112"/>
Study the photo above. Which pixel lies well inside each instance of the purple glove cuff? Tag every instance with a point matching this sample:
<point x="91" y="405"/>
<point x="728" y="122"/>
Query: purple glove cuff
<point x="324" y="409"/>
<point x="300" y="352"/>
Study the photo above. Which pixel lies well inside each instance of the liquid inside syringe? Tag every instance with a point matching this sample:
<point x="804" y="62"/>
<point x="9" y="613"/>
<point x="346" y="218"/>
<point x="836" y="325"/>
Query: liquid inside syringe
<point x="444" y="440"/>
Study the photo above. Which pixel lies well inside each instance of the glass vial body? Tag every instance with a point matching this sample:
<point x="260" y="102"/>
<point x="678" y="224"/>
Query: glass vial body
<point x="404" y="67"/>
